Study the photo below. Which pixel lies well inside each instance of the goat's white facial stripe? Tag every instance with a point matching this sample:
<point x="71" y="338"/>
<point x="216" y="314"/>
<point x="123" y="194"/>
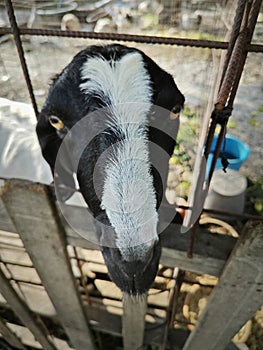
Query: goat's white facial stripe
<point x="128" y="193"/>
<point x="122" y="81"/>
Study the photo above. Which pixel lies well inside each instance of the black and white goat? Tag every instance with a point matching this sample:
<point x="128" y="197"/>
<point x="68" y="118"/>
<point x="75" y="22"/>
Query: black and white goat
<point x="109" y="92"/>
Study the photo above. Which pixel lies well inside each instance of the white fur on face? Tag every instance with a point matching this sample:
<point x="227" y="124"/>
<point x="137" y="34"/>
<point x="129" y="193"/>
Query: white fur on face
<point x="128" y="194"/>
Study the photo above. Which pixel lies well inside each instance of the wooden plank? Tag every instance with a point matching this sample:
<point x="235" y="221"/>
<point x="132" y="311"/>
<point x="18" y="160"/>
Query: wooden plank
<point x="133" y="320"/>
<point x="37" y="299"/>
<point x="15" y="256"/>
<point x="199" y="264"/>
<point x="106" y="317"/>
<point x="24" y="313"/>
<point x="35" y="218"/>
<point x="237" y="297"/>
<point x="5" y="221"/>
<point x="103" y="320"/>
<point x="28" y="339"/>
<point x="22" y="273"/>
<point x="155" y="298"/>
<point x="10" y="336"/>
<point x="108" y="289"/>
<point x="214" y="249"/>
<point x="10" y="239"/>
<point x="107" y="320"/>
<point x="210" y="253"/>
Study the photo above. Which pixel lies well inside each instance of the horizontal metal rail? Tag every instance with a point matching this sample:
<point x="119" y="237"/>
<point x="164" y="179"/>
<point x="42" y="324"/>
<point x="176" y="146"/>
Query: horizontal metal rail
<point x="147" y="39"/>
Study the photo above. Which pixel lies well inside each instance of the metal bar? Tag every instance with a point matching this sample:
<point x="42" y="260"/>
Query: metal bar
<point x="241" y="5"/>
<point x="130" y="38"/>
<point x="20" y="50"/>
<point x="234" y="65"/>
<point x="233" y="68"/>
<point x="230" y="76"/>
<point x="250" y="23"/>
<point x="121" y="37"/>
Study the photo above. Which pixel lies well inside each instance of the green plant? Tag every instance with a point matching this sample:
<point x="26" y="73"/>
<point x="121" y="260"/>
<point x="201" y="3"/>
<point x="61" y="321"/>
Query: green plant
<point x="254" y="194"/>
<point x="231" y="124"/>
<point x="253" y="121"/>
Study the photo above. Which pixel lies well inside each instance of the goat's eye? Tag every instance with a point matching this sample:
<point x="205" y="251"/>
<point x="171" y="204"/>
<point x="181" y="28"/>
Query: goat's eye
<point x="56" y="122"/>
<point x="175" y="112"/>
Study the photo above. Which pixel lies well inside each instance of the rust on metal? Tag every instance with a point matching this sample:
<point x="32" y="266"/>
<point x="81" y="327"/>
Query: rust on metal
<point x="16" y="33"/>
<point x="212" y="44"/>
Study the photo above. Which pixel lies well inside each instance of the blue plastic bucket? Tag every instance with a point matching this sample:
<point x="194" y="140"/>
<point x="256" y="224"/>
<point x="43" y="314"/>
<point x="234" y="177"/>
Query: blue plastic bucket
<point x="236" y="152"/>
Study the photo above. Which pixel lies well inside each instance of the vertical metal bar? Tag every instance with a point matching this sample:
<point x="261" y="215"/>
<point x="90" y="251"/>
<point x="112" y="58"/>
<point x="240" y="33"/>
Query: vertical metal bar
<point x="249" y="26"/>
<point x="234" y="67"/>
<point x="231" y="79"/>
<point x="20" y="50"/>
<point x="241" y="5"/>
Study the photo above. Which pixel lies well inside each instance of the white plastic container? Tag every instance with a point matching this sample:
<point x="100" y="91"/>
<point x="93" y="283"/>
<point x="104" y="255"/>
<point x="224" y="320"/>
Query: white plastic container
<point x="227" y="192"/>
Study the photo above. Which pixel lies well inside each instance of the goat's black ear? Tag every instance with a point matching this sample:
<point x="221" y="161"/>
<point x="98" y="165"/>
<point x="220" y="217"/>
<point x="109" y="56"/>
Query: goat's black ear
<point x="50" y="144"/>
<point x="166" y="92"/>
<point x="167" y="95"/>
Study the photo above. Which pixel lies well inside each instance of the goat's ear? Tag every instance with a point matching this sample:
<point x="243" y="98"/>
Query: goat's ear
<point x="50" y="144"/>
<point x="167" y="95"/>
<point x="166" y="92"/>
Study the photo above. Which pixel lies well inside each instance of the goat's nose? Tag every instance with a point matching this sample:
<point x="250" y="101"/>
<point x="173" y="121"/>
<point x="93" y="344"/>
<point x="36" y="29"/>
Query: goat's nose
<point x="136" y="268"/>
